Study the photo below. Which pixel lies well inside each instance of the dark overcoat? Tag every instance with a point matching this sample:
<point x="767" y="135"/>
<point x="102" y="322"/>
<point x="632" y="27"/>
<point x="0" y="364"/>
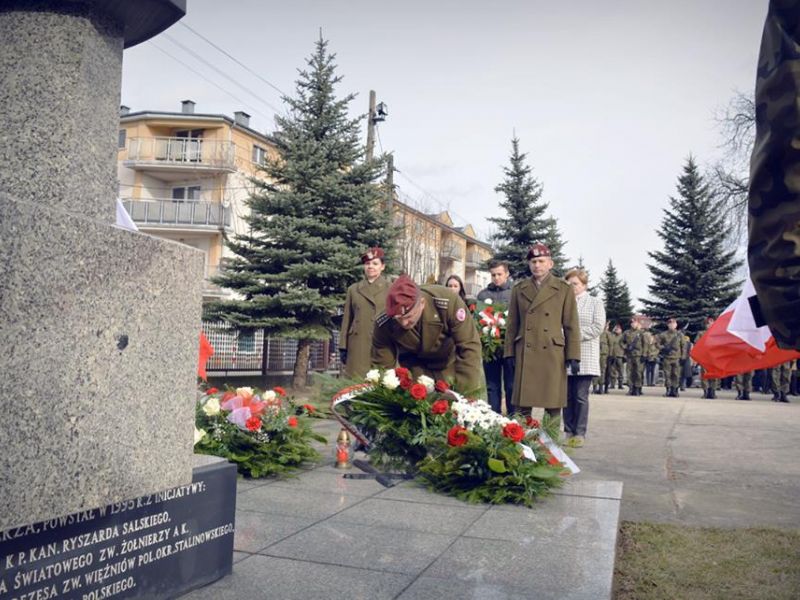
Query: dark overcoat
<point x="542" y="333"/>
<point x="363" y="303"/>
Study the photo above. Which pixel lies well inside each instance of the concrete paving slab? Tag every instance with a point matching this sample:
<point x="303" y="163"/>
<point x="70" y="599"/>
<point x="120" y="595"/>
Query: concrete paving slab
<point x="363" y="546"/>
<point x="330" y="479"/>
<point x="256" y="530"/>
<point x="411" y="491"/>
<point x="544" y="570"/>
<point x="310" y="504"/>
<point x="590" y="488"/>
<point x="409" y="516"/>
<point x="268" y="578"/>
<point x="425" y="588"/>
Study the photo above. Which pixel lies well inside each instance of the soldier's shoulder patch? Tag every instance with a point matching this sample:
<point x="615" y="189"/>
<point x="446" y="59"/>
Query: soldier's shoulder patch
<point x="441" y="302"/>
<point x="381" y="319"/>
<point x="461" y="314"/>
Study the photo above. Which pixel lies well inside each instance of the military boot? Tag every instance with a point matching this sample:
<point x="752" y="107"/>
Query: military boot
<point x="605" y="388"/>
<point x="675" y="392"/>
<point x="713" y="394"/>
<point x="776" y="396"/>
<point x="783" y="397"/>
<point x="745" y="395"/>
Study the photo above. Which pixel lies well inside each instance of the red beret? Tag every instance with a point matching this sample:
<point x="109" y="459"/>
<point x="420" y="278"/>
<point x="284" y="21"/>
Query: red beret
<point x="371" y="254"/>
<point x="402" y="296"/>
<point x="537" y="250"/>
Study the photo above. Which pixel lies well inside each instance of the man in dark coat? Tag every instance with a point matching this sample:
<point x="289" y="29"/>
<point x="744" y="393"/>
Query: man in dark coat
<point x="542" y="336"/>
<point x="499" y="373"/>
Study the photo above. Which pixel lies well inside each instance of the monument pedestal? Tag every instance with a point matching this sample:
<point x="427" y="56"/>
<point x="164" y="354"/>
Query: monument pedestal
<point x="154" y="546"/>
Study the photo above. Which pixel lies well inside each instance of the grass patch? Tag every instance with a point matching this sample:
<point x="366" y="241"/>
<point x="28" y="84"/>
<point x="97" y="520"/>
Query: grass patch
<point x="668" y="561"/>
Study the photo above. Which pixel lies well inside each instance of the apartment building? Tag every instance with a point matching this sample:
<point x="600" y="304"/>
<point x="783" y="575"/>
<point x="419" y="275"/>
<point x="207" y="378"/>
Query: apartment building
<point x="185" y="175"/>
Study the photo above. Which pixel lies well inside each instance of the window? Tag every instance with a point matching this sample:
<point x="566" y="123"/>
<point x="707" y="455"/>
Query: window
<point x="188" y="193"/>
<point x="123" y="133"/>
<point x="259" y="155"/>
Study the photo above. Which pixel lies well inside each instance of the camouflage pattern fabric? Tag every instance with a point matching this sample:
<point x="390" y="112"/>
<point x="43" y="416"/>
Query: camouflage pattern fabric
<point x="744" y="382"/>
<point x="781" y="376"/>
<point x="774" y="199"/>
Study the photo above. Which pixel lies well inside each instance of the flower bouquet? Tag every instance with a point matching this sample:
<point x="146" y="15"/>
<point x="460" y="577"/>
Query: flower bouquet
<point x="491" y="320"/>
<point x="456" y="446"/>
<point x="264" y="433"/>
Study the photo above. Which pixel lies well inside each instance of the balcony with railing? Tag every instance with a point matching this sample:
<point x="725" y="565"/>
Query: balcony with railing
<point x="180" y="154"/>
<point x="451" y="251"/>
<point x="474" y="260"/>
<point x="173" y="214"/>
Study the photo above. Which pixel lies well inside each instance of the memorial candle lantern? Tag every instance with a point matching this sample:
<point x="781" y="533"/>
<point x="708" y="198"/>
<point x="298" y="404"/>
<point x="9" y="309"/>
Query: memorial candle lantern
<point x="344" y="450"/>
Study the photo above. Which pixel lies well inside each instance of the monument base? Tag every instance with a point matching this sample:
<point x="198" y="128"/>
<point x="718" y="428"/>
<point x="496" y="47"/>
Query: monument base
<point x="155" y="546"/>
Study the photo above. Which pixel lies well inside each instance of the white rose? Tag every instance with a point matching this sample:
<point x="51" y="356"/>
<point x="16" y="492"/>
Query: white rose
<point x="429" y="383"/>
<point x="390" y="380"/>
<point x="502" y="322"/>
<point x="244" y="391"/>
<point x="268" y="396"/>
<point x="485" y="329"/>
<point x="199" y="434"/>
<point x="211" y="407"/>
<point x="373" y="376"/>
<point x="488" y="301"/>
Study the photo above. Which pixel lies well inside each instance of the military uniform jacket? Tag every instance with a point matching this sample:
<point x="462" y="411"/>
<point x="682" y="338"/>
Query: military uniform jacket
<point x="614" y="347"/>
<point x="671" y="344"/>
<point x="444" y="344"/>
<point x="363" y="302"/>
<point x="604" y="343"/>
<point x="542" y="332"/>
<point x="632" y="342"/>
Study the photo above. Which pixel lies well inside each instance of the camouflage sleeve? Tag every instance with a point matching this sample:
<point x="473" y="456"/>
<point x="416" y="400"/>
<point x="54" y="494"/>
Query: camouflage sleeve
<point x="469" y="360"/>
<point x="345" y="320"/>
<point x="774" y="201"/>
<point x="384" y="351"/>
<point x="512" y="325"/>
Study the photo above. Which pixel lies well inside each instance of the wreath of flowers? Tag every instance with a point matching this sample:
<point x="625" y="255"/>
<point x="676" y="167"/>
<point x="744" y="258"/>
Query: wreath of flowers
<point x="263" y="432"/>
<point x="456" y="446"/>
<point x="490" y="320"/>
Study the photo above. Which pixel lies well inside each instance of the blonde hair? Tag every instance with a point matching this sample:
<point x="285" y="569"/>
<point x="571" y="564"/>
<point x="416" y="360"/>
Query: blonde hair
<point x="581" y="274"/>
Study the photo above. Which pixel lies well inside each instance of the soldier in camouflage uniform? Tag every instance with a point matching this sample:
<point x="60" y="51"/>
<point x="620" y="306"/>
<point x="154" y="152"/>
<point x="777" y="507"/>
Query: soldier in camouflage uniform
<point x="600" y="384"/>
<point x="710" y="386"/>
<point x="781" y="375"/>
<point x="633" y="345"/>
<point x="650" y="357"/>
<point x="670" y="349"/>
<point x="744" y="385"/>
<point x="615" y="356"/>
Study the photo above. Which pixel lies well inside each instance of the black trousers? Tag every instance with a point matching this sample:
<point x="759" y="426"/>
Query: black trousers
<point x="576" y="413"/>
<point x="499" y="374"/>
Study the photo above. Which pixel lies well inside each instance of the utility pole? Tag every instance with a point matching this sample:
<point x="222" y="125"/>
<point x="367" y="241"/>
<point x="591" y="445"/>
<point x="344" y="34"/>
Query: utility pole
<point x="390" y="184"/>
<point x="371" y="126"/>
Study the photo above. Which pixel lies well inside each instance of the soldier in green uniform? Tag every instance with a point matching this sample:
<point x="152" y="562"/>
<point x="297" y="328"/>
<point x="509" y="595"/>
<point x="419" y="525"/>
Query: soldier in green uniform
<point x="633" y="345"/>
<point x="615" y="356"/>
<point x="781" y="376"/>
<point x="600" y="383"/>
<point x="429" y="331"/>
<point x="744" y="385"/>
<point x="671" y="348"/>
<point x="773" y="248"/>
<point x="364" y="300"/>
<point x="650" y="358"/>
<point x="710" y="386"/>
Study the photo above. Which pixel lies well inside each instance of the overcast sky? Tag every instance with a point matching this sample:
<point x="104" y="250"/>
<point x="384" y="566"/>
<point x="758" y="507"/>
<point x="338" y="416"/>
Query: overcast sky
<point x="608" y="98"/>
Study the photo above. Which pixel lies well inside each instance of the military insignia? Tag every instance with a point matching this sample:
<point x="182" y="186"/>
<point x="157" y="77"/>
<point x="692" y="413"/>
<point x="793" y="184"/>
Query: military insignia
<point x="461" y="314"/>
<point x="535" y="252"/>
<point x="381" y="319"/>
<point x="441" y="302"/>
<point x="370" y="256"/>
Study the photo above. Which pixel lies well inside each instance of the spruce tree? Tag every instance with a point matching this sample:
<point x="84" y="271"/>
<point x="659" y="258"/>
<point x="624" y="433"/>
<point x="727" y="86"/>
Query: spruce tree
<point x="525" y="223"/>
<point x="555" y="242"/>
<point x="617" y="296"/>
<point x="692" y="277"/>
<point x="309" y="220"/>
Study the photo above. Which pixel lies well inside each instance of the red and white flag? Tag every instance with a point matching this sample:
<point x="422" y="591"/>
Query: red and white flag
<point x="735" y="343"/>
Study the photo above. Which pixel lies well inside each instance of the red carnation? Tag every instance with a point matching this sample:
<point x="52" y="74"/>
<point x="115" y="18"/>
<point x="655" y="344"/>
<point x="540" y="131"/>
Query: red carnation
<point x="402" y="372"/>
<point x="513" y="431"/>
<point x="253" y="424"/>
<point x="227" y="396"/>
<point x="310" y="408"/>
<point x="532" y="423"/>
<point x="279" y="390"/>
<point x="419" y="391"/>
<point x="292" y="421"/>
<point x="440" y="407"/>
<point x="441" y="386"/>
<point x="210" y="391"/>
<point x="406" y="382"/>
<point x="488" y="310"/>
<point x="457" y="436"/>
<point x="472" y="308"/>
